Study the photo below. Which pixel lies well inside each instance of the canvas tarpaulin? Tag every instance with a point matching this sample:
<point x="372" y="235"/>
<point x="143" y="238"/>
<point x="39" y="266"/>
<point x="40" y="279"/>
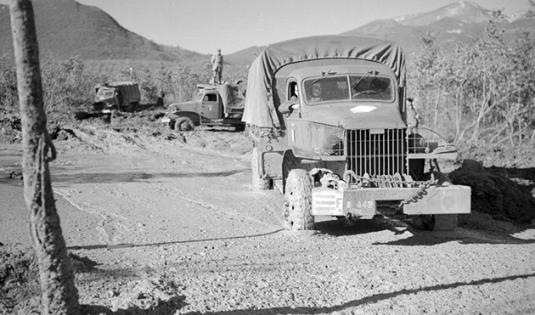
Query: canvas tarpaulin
<point x="260" y="111"/>
<point x="231" y="96"/>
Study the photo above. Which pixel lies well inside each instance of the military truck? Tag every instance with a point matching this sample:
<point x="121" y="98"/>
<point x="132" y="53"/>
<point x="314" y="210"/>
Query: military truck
<point x="331" y="127"/>
<point x="121" y="96"/>
<point x="214" y="105"/>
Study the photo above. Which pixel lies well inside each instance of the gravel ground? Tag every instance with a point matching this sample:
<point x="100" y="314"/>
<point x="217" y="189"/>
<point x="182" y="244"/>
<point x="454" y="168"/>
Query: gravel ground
<point x="163" y="227"/>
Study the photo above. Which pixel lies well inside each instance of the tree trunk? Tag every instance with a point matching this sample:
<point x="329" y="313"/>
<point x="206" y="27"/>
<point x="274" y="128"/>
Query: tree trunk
<point x="58" y="293"/>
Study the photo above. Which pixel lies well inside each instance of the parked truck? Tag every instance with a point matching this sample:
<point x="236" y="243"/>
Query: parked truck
<point x="213" y="105"/>
<point x="121" y="96"/>
<point x="332" y="128"/>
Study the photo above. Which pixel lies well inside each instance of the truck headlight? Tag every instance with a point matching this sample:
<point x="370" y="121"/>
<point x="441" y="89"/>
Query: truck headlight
<point x="328" y="141"/>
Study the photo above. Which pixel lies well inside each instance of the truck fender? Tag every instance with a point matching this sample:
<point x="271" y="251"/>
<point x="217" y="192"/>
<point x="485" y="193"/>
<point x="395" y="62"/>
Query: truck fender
<point x="195" y="118"/>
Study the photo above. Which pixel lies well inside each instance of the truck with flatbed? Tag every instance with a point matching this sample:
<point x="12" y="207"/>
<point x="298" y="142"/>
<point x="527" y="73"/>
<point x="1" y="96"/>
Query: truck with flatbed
<point x="213" y="105"/>
<point x="120" y="96"/>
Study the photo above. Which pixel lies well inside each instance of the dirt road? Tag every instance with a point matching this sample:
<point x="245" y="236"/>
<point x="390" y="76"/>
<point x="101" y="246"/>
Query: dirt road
<point x="163" y="227"/>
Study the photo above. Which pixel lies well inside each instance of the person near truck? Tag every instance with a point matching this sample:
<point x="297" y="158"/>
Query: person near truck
<point x="315" y="92"/>
<point x="217" y="67"/>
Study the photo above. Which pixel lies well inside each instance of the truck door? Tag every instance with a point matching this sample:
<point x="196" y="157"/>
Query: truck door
<point x="210" y="106"/>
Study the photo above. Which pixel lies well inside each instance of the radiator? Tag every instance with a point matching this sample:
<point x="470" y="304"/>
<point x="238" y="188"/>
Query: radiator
<point x="377" y="151"/>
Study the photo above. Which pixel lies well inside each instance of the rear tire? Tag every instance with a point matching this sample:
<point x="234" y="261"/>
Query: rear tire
<point x="437" y="222"/>
<point x="258" y="182"/>
<point x="445" y="222"/>
<point x="183" y="124"/>
<point x="298" y="206"/>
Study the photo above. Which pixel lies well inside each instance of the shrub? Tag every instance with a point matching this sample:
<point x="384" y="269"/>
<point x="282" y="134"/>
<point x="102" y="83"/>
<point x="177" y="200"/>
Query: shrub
<point x="483" y="93"/>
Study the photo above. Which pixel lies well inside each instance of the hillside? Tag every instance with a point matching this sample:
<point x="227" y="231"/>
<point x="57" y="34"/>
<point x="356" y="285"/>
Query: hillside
<point x="66" y="28"/>
<point x="461" y="22"/>
<point x="244" y="56"/>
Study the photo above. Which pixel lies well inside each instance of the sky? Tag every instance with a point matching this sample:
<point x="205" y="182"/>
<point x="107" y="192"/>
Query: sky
<point x="232" y="25"/>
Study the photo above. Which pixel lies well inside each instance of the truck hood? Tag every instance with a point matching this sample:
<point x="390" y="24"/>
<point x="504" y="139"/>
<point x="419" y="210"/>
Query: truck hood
<point x="183" y="106"/>
<point x="353" y="115"/>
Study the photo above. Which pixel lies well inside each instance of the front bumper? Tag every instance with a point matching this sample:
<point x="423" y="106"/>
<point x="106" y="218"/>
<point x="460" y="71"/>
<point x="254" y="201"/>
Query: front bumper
<point x="362" y="202"/>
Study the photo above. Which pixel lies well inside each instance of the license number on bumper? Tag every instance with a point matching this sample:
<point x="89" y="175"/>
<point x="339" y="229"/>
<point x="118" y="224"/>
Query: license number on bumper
<point x="454" y="199"/>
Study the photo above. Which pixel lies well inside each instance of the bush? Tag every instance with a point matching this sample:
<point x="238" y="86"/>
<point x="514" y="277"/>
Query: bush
<point x="483" y="93"/>
<point x="8" y="87"/>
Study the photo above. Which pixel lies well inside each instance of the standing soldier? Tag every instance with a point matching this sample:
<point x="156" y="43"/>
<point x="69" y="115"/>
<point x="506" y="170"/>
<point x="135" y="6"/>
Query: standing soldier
<point x="217" y="67"/>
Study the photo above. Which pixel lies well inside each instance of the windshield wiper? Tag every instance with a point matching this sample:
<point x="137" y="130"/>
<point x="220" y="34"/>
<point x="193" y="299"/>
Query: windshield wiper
<point x="354" y="85"/>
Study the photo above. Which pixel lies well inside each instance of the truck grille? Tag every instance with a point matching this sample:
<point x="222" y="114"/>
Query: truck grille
<point x="377" y="152"/>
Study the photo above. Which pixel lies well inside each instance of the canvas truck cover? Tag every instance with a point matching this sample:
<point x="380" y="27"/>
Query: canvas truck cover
<point x="231" y="96"/>
<point x="129" y="91"/>
<point x="260" y="111"/>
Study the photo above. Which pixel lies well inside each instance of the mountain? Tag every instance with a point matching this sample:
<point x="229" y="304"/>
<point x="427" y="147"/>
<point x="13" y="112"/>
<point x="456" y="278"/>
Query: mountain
<point x="464" y="11"/>
<point x="66" y="28"/>
<point x="458" y="23"/>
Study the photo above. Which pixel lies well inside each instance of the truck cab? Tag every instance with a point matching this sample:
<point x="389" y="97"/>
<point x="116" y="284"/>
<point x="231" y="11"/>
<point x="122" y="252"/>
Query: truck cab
<point x="210" y="104"/>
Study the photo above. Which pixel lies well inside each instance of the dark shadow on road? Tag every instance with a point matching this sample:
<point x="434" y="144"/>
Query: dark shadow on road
<point x="336" y="228"/>
<point x="461" y="235"/>
<point x="127" y="245"/>
<point x="82" y="178"/>
<point x="366" y="300"/>
<point x="418" y="237"/>
<point x="163" y="307"/>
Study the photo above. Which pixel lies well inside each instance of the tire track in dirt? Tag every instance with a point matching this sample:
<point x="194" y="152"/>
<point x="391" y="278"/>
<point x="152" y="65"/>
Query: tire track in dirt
<point x="110" y="227"/>
<point x="225" y="212"/>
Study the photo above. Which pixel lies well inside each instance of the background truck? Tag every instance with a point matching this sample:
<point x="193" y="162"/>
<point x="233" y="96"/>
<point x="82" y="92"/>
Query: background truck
<point x="214" y="105"/>
<point x="332" y="128"/>
<point x="121" y="96"/>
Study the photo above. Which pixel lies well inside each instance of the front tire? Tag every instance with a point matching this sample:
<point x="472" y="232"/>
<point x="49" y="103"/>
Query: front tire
<point x="445" y="222"/>
<point x="298" y="206"/>
<point x="437" y="222"/>
<point x="183" y="124"/>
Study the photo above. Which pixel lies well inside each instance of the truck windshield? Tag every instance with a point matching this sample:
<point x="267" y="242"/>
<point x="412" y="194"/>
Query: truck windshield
<point x="371" y="88"/>
<point x="326" y="89"/>
<point x="348" y="87"/>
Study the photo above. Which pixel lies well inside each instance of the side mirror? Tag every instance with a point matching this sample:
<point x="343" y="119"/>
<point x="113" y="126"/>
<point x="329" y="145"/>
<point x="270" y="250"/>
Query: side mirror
<point x="287" y="107"/>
